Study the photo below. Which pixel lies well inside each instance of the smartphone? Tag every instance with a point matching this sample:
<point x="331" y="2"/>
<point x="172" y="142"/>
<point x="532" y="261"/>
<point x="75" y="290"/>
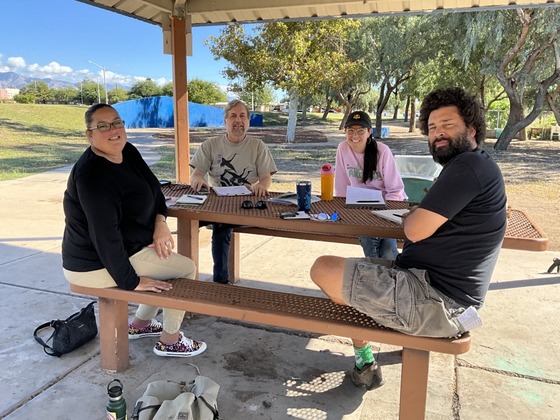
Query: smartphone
<point x="203" y="191"/>
<point x="164" y="183"/>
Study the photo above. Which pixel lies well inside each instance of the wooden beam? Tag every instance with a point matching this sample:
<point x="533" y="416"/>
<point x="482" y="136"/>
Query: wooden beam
<point x="180" y="98"/>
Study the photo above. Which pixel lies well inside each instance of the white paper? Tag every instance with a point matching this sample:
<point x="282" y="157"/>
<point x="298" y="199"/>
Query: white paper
<point x="469" y="319"/>
<point x="233" y="190"/>
<point x="391" y="215"/>
<point x="356" y="196"/>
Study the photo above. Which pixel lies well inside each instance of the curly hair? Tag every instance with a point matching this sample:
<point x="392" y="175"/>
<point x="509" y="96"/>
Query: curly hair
<point x="469" y="108"/>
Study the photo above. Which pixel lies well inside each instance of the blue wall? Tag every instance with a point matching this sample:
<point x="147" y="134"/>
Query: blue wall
<point x="157" y="112"/>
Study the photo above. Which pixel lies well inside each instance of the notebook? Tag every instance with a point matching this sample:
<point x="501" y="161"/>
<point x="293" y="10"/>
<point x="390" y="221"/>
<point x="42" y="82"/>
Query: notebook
<point x="233" y="190"/>
<point x="364" y="197"/>
<point x="391" y="215"/>
<point x="289" y="198"/>
<point x="193" y="199"/>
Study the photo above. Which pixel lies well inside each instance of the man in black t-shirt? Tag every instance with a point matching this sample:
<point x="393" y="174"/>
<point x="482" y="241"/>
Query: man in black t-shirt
<point x="453" y="239"/>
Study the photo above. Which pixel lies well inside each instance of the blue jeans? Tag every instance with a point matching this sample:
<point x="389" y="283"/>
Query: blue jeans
<point x="221" y="239"/>
<point x="385" y="248"/>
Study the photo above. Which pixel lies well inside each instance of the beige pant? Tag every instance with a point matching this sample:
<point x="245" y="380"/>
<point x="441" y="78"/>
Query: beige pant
<point x="146" y="263"/>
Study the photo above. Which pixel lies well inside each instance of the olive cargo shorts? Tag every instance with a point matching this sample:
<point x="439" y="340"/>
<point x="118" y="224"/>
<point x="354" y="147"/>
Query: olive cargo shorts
<point x="400" y="299"/>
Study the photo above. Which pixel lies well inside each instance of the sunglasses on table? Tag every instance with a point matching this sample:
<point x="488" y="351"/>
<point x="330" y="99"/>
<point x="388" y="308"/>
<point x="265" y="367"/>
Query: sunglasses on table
<point x="326" y="217"/>
<point x="248" y="205"/>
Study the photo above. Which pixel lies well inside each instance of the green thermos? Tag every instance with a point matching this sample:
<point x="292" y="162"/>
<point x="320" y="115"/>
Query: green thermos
<point x="116" y="407"/>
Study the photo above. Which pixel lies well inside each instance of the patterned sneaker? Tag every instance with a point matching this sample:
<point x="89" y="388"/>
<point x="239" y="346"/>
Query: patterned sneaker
<point x="369" y="376"/>
<point x="154" y="328"/>
<point x="185" y="347"/>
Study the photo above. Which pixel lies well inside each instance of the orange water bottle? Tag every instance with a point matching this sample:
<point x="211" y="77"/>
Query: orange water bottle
<point x="327" y="182"/>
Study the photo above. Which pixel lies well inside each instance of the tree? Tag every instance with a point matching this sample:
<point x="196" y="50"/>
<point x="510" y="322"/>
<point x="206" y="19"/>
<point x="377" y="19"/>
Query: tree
<point x="260" y="96"/>
<point x="167" y="89"/>
<point x="553" y="100"/>
<point x="144" y="89"/>
<point x="393" y="56"/>
<point x="90" y="92"/>
<point x="297" y="57"/>
<point x="203" y="92"/>
<point x="117" y="95"/>
<point x="37" y="89"/>
<point x="523" y="51"/>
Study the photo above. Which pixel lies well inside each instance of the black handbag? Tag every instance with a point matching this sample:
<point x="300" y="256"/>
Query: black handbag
<point x="69" y="334"/>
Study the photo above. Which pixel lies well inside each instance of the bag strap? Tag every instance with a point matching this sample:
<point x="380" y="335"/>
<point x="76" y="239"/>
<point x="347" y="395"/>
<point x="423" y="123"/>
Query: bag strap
<point x="46" y="348"/>
<point x="214" y="410"/>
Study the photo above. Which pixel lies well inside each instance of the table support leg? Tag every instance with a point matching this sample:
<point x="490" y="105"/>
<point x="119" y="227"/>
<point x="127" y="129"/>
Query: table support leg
<point x="414" y="384"/>
<point x="187" y="239"/>
<point x="113" y="337"/>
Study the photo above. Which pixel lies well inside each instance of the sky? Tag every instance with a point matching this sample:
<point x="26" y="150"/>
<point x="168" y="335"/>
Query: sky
<point x="58" y="39"/>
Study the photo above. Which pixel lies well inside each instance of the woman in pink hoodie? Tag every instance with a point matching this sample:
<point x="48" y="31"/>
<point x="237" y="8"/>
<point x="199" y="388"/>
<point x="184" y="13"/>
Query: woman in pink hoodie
<point x="363" y="162"/>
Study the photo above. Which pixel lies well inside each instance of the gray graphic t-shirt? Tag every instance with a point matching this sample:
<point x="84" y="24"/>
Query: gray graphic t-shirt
<point x="230" y="163"/>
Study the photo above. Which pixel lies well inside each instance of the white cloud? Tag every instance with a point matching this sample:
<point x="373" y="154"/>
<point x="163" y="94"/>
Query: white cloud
<point x="57" y="71"/>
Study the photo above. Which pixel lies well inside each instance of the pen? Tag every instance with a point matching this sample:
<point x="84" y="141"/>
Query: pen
<point x="195" y="197"/>
<point x="367" y="201"/>
<point x="398" y="215"/>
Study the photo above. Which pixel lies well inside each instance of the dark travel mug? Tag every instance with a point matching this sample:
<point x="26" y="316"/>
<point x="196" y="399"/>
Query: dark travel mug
<point x="303" y="189"/>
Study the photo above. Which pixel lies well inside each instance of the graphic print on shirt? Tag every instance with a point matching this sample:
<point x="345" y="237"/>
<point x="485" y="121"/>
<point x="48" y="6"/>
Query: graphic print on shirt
<point x="229" y="175"/>
<point x="358" y="173"/>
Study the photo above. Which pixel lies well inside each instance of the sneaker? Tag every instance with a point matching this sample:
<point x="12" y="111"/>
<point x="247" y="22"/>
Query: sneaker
<point x="369" y="376"/>
<point x="185" y="347"/>
<point x="154" y="328"/>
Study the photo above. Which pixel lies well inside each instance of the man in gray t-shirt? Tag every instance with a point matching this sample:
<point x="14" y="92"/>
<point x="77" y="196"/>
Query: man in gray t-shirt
<point x="231" y="159"/>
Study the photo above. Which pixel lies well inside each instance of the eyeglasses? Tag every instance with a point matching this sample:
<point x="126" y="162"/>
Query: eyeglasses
<point x="102" y="127"/>
<point x="325" y="217"/>
<point x="248" y="205"/>
<point x="359" y="131"/>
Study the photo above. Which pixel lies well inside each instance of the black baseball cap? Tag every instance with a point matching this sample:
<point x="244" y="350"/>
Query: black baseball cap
<point x="358" y="118"/>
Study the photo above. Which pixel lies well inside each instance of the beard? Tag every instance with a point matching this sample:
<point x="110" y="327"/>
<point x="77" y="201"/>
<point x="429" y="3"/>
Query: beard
<point x="238" y="130"/>
<point x="459" y="144"/>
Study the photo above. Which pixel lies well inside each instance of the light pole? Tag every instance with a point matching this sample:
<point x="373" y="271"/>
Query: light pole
<point x="98" y="93"/>
<point x="104" y="79"/>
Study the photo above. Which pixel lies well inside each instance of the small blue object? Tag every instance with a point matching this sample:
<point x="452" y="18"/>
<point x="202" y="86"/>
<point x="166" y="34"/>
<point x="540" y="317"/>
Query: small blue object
<point x="384" y="132"/>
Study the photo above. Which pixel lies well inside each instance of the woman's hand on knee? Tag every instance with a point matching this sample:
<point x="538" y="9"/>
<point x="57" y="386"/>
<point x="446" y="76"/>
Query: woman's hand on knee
<point x="148" y="284"/>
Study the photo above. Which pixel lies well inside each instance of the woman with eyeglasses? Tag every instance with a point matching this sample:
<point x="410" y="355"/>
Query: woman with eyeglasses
<point x="363" y="162"/>
<point x="116" y="233"/>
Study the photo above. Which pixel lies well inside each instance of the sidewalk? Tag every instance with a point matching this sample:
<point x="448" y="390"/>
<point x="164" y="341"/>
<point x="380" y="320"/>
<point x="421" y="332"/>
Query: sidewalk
<point x="511" y="372"/>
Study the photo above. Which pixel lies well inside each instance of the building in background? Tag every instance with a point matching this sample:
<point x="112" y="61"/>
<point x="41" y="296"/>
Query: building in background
<point x="8" y="94"/>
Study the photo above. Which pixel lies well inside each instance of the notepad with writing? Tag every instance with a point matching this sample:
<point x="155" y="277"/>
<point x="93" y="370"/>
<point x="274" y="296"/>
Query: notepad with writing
<point x="364" y="197"/>
<point x="193" y="199"/>
<point x="290" y="198"/>
<point x="233" y="190"/>
<point x="391" y="215"/>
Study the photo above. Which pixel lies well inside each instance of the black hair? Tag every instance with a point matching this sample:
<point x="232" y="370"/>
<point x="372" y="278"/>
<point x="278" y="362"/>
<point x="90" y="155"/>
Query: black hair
<point x="92" y="110"/>
<point x="370" y="159"/>
<point x="469" y="107"/>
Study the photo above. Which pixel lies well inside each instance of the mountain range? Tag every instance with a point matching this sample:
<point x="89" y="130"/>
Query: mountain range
<point x="17" y="81"/>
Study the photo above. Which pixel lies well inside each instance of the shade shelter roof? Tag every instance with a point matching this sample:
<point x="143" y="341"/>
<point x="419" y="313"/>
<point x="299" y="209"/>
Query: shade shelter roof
<point x="176" y="18"/>
<point x="220" y="12"/>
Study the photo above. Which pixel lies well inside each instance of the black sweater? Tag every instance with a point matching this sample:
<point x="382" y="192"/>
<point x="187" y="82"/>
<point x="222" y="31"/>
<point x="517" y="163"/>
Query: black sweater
<point x="110" y="212"/>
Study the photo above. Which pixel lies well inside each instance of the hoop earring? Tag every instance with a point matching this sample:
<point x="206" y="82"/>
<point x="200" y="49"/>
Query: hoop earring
<point x="369" y="140"/>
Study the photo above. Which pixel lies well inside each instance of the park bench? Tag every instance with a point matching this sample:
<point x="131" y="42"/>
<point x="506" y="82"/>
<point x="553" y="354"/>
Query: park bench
<point x="277" y="309"/>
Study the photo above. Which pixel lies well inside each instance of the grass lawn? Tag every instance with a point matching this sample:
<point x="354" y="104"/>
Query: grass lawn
<point x="38" y="138"/>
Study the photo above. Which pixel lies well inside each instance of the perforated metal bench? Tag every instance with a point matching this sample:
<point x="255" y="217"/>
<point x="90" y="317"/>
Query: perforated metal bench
<point x="278" y="309"/>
